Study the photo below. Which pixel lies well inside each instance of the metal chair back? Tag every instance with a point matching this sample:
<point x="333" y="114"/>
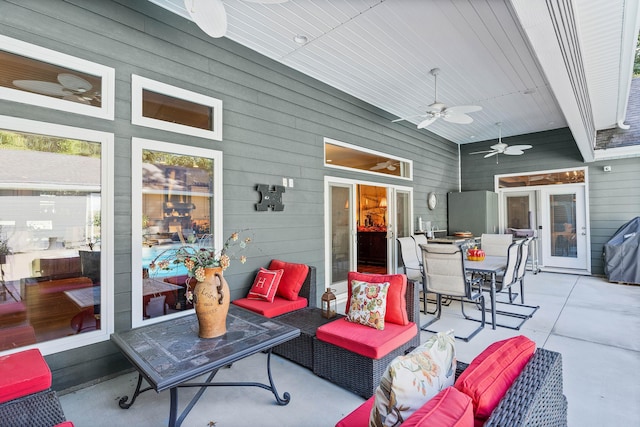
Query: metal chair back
<point x="524" y="255"/>
<point x="444" y="270"/>
<point x="495" y="244"/>
<point x="409" y="258"/>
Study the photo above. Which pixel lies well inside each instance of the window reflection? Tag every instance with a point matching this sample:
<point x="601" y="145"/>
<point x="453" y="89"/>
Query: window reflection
<point x="50" y="204"/>
<point x="177" y="204"/>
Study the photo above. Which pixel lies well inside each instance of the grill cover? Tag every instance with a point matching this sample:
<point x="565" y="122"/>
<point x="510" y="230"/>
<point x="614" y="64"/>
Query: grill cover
<point x="622" y="254"/>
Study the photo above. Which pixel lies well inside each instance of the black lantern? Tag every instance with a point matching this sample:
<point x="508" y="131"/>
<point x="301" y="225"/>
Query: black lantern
<point x="329" y="304"/>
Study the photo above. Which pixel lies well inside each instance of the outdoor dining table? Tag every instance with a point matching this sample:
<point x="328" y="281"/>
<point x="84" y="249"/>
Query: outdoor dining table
<point x="491" y="265"/>
<point x="169" y="354"/>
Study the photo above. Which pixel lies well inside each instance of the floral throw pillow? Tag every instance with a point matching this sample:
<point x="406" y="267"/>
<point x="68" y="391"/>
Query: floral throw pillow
<point x="411" y="380"/>
<point x="368" y="303"/>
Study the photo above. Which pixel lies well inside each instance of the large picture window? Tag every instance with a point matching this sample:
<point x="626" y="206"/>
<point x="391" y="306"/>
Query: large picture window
<point x="177" y="201"/>
<point x="54" y="288"/>
<point x="35" y="75"/>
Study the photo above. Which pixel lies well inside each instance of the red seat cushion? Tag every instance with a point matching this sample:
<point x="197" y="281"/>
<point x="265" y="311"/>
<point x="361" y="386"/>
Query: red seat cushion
<point x="292" y="278"/>
<point x="491" y="373"/>
<point x="181" y="280"/>
<point x="271" y="309"/>
<point x="23" y="373"/>
<point x="17" y="336"/>
<point x="396" y="311"/>
<point x="265" y="285"/>
<point x="359" y="417"/>
<point x="65" y="424"/>
<point x="366" y="341"/>
<point x="449" y="408"/>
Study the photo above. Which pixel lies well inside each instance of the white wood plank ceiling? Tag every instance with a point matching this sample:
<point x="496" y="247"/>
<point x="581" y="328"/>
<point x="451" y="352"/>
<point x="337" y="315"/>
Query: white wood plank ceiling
<point x="488" y="52"/>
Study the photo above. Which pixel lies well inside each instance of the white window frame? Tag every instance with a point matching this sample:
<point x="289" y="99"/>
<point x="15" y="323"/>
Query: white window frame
<point x="139" y="83"/>
<point x="106" y="74"/>
<point x="138" y="145"/>
<point x="368" y="151"/>
<point x="106" y="230"/>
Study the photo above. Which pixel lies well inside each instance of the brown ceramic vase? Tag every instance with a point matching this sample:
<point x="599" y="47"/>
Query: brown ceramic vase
<point x="211" y="302"/>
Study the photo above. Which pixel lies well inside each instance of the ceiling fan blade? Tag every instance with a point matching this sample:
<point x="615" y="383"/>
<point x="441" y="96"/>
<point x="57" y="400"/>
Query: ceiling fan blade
<point x="45" y="88"/>
<point x="501" y="146"/>
<point x="461" y="119"/>
<point x="520" y="147"/>
<point x="482" y="152"/>
<point x="464" y="109"/>
<point x="74" y="83"/>
<point x="426" y="122"/>
<point x="493" y="153"/>
<point x="209" y="15"/>
<point x="511" y="152"/>
<point x="407" y="118"/>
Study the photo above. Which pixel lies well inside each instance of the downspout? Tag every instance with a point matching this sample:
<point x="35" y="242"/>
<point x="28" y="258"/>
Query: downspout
<point x="627" y="55"/>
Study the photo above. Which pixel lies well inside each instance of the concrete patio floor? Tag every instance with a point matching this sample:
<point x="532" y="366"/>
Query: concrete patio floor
<point x="593" y="323"/>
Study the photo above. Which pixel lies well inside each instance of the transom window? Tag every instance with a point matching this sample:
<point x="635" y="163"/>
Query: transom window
<point x="162" y="106"/>
<point x="346" y="156"/>
<point x="35" y="75"/>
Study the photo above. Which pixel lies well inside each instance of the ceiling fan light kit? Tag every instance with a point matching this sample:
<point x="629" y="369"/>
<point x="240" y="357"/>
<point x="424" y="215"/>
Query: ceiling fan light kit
<point x="502" y="148"/>
<point x="438" y="110"/>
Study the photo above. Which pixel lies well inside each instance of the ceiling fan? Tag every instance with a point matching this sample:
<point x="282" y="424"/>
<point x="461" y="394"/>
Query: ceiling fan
<point x="389" y="165"/>
<point x="69" y="87"/>
<point x="211" y="16"/>
<point x="438" y="110"/>
<point x="502" y="148"/>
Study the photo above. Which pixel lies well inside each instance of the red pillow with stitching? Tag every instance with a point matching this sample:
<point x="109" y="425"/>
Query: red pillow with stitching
<point x="265" y="285"/>
<point x="396" y="295"/>
<point x="292" y="278"/>
<point x="489" y="376"/>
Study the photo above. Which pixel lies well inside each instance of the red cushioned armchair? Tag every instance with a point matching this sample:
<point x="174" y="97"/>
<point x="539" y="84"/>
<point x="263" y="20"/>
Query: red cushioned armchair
<point x="355" y="356"/>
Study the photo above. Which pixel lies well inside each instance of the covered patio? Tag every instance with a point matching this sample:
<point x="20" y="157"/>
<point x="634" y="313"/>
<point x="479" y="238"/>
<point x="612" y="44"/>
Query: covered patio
<point x="593" y="323"/>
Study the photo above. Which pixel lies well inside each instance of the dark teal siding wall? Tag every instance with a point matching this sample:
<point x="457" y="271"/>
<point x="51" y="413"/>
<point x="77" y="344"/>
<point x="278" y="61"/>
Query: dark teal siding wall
<point x="274" y="119"/>
<point x="614" y="197"/>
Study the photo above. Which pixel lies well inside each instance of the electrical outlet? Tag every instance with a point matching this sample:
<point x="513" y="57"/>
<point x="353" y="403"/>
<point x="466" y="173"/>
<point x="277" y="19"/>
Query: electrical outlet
<point x="284" y="181"/>
<point x="291" y="182"/>
<point x="607" y="168"/>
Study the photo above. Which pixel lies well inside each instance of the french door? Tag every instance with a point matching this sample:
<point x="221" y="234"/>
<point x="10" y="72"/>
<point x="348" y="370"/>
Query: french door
<point x="564" y="225"/>
<point x="362" y="221"/>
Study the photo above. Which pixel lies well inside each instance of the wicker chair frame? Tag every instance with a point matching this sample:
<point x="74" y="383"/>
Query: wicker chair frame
<point x="359" y="374"/>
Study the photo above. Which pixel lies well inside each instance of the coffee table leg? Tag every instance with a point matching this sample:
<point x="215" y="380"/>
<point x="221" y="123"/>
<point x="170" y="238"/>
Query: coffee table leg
<point x="286" y="397"/>
<point x="123" y="401"/>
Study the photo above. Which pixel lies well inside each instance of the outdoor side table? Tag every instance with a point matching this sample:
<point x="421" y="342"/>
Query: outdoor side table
<point x="169" y="354"/>
<point x="300" y="349"/>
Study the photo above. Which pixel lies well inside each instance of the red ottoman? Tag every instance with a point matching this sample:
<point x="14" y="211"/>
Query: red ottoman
<point x="23" y="373"/>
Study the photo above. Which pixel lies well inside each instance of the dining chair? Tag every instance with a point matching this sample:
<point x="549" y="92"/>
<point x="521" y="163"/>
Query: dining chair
<point x="495" y="244"/>
<point x="505" y="282"/>
<point x="522" y="265"/>
<point x="412" y="265"/>
<point x="446" y="276"/>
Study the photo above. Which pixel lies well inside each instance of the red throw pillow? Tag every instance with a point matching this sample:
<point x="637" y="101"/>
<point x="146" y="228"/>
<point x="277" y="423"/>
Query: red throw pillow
<point x="396" y="311"/>
<point x="292" y="278"/>
<point x="449" y="408"/>
<point x="265" y="285"/>
<point x="489" y="376"/>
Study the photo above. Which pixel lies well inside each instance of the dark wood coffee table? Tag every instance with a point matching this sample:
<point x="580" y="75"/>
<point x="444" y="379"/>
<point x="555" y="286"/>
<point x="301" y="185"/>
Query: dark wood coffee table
<point x="169" y="354"/>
